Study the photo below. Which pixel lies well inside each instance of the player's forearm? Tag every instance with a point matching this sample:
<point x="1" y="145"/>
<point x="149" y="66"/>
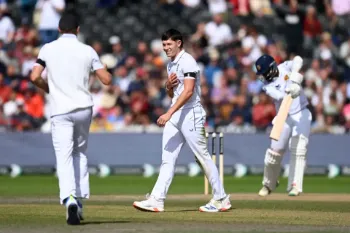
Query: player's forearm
<point x="183" y="98"/>
<point x="41" y="83"/>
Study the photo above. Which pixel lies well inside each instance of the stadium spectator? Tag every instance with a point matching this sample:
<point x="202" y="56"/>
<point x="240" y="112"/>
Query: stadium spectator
<point x="263" y="112"/>
<point x="50" y="14"/>
<point x="218" y="32"/>
<point x="224" y="43"/>
<point x="7" y="27"/>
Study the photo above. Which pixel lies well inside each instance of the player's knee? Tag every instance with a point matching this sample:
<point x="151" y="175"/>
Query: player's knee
<point x="272" y="157"/>
<point x="298" y="145"/>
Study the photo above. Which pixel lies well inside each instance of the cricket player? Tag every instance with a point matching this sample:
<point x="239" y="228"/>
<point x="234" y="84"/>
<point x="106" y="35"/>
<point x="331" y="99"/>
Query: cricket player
<point x="183" y="123"/>
<point x="279" y="81"/>
<point x="68" y="63"/>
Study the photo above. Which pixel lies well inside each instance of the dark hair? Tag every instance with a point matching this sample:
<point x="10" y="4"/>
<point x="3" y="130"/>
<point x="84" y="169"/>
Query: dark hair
<point x="68" y="23"/>
<point x="174" y="35"/>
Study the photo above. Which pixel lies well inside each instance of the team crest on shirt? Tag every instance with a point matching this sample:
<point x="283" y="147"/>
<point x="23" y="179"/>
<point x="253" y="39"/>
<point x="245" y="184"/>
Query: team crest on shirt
<point x="286" y="78"/>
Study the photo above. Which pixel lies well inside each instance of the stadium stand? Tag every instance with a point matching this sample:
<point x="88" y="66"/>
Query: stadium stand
<point x="224" y="36"/>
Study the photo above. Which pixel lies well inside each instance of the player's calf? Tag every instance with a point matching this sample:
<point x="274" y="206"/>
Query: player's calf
<point x="297" y="164"/>
<point x="272" y="171"/>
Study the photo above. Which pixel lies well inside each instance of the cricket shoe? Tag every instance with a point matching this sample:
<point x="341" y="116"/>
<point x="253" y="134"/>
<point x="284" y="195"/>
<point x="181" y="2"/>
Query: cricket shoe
<point x="80" y="209"/>
<point x="294" y="192"/>
<point x="72" y="211"/>
<point x="264" y="191"/>
<point x="213" y="206"/>
<point x="151" y="204"/>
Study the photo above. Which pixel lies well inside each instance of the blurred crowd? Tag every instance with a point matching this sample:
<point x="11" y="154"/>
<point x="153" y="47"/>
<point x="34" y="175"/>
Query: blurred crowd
<point x="231" y="93"/>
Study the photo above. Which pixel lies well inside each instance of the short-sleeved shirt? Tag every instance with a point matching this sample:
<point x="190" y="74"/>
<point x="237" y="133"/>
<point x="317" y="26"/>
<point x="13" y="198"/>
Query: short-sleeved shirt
<point x="276" y="89"/>
<point x="68" y="63"/>
<point x="186" y="67"/>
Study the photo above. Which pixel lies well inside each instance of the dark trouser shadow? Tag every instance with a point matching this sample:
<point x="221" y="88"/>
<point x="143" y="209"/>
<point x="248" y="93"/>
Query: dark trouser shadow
<point x="102" y="222"/>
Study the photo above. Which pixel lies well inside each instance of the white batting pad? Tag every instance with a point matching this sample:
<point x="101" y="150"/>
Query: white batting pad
<point x="298" y="149"/>
<point x="272" y="168"/>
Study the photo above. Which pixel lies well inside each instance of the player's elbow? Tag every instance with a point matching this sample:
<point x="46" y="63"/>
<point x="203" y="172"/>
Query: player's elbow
<point x="188" y="93"/>
<point x="107" y="80"/>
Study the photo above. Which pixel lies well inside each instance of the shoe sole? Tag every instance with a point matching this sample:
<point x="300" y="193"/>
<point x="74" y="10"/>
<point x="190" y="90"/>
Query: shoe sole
<point x="220" y="210"/>
<point x="155" y="210"/>
<point x="293" y="194"/>
<point x="73" y="216"/>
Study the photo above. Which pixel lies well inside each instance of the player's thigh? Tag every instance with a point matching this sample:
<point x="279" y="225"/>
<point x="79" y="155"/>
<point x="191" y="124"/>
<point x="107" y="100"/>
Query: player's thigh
<point x="172" y="140"/>
<point x="194" y="131"/>
<point x="82" y="121"/>
<point x="62" y="130"/>
<point x="302" y="123"/>
<point x="282" y="143"/>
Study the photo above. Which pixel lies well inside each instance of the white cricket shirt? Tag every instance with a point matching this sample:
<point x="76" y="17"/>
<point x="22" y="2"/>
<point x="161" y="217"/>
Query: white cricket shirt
<point x="185" y="65"/>
<point x="68" y="63"/>
<point x="276" y="89"/>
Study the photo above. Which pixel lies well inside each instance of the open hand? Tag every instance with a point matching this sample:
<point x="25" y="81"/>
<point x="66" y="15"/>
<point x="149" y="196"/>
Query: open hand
<point x="172" y="81"/>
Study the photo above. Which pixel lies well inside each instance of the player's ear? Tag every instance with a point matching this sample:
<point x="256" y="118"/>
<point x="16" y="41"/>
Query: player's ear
<point x="78" y="29"/>
<point x="179" y="43"/>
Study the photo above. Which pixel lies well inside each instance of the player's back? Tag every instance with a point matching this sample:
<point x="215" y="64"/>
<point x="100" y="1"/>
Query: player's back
<point x="68" y="64"/>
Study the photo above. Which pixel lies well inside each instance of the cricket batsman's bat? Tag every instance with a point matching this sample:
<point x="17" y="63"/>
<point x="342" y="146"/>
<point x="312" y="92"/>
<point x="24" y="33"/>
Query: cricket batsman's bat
<point x="281" y="117"/>
<point x="283" y="111"/>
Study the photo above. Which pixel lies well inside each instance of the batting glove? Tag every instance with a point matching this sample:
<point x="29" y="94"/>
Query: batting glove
<point x="294" y="90"/>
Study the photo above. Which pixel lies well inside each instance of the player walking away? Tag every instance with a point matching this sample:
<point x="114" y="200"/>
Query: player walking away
<point x="278" y="81"/>
<point x="69" y="63"/>
<point x="183" y="122"/>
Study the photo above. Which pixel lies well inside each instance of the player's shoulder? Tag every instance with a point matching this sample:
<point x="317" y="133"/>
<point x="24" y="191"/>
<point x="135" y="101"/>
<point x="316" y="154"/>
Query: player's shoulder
<point x="188" y="58"/>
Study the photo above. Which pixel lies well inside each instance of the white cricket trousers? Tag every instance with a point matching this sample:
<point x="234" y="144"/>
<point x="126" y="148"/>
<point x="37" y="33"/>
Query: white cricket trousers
<point x="186" y="125"/>
<point x="70" y="139"/>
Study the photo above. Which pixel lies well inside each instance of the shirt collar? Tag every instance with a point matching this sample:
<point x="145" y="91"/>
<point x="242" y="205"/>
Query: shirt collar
<point x="68" y="35"/>
<point x="178" y="56"/>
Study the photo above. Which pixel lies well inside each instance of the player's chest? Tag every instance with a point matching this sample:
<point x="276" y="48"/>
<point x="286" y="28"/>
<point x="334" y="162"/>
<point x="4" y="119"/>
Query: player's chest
<point x="176" y="68"/>
<point x="282" y="82"/>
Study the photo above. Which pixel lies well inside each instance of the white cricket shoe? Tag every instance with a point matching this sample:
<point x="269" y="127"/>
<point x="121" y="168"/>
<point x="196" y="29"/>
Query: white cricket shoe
<point x="217" y="205"/>
<point x="72" y="213"/>
<point x="293" y="192"/>
<point x="264" y="191"/>
<point x="151" y="204"/>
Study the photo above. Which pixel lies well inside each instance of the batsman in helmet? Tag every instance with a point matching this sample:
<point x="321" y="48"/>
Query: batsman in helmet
<point x="280" y="80"/>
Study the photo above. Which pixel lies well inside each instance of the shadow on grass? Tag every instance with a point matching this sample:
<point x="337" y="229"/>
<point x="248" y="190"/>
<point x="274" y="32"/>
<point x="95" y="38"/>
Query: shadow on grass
<point x="196" y="210"/>
<point x="102" y="222"/>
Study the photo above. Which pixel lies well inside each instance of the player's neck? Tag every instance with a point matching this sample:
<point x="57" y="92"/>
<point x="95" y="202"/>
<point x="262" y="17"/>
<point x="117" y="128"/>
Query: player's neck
<point x="177" y="54"/>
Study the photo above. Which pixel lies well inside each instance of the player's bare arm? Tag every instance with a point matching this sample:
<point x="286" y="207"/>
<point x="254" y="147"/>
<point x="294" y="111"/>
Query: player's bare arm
<point x="183" y="98"/>
<point x="104" y="76"/>
<point x="170" y="84"/>
<point x="36" y="78"/>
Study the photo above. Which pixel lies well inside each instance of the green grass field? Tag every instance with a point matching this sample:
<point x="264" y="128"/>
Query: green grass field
<point x="30" y="204"/>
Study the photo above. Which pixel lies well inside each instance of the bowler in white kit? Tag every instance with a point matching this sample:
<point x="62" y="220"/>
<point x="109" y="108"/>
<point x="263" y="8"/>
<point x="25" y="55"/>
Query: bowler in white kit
<point x="183" y="123"/>
<point x="279" y="81"/>
<point x="69" y="64"/>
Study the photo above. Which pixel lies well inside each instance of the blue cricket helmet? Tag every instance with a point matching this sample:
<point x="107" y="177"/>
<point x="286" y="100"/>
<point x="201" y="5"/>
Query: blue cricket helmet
<point x="266" y="66"/>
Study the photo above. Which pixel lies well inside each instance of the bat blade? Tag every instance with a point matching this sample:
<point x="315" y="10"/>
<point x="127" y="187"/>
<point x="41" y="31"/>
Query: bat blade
<point x="281" y="117"/>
